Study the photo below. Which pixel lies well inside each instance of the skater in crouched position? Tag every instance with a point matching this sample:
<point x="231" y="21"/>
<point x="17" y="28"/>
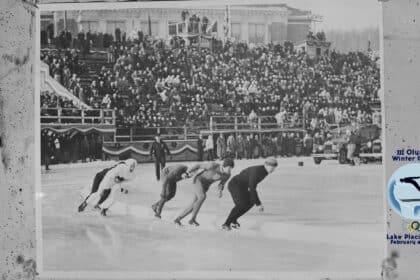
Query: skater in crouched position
<point x="243" y="189"/>
<point x="106" y="183"/>
<point x="207" y="174"/>
<point x="171" y="175"/>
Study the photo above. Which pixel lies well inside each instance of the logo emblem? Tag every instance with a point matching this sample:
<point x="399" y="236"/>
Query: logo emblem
<point x="404" y="191"/>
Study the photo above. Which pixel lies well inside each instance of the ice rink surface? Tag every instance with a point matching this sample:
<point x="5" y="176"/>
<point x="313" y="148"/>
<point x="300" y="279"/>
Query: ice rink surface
<point x="318" y="218"/>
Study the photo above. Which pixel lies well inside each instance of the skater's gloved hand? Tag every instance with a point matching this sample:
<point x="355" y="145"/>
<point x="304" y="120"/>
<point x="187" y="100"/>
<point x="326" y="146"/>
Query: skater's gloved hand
<point x="261" y="208"/>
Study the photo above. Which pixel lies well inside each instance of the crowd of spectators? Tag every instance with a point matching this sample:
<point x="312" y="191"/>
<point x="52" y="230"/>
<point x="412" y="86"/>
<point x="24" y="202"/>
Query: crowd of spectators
<point x="155" y="83"/>
<point x="251" y="146"/>
<point x="65" y="67"/>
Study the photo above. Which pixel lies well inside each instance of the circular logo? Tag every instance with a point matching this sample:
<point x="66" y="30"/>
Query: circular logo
<point x="404" y="191"/>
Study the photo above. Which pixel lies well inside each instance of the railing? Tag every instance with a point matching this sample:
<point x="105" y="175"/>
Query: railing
<point x="258" y="123"/>
<point x="134" y="134"/>
<point x="77" y="116"/>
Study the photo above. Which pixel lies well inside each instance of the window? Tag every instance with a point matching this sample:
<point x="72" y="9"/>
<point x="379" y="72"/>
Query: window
<point x="256" y="33"/>
<point x="278" y="32"/>
<point x="89" y="25"/>
<point x="236" y="31"/>
<point x="112" y="25"/>
<point x="172" y="28"/>
<point x="154" y="26"/>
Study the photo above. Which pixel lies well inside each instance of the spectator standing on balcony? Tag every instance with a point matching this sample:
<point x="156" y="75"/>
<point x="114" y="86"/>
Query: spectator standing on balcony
<point x="351" y="146"/>
<point x="82" y="95"/>
<point x="281" y="117"/>
<point x="248" y="147"/>
<point x="200" y="147"/>
<point x="221" y="146"/>
<point x="92" y="148"/>
<point x="159" y="150"/>
<point x="231" y="146"/>
<point x="292" y="144"/>
<point x="210" y="147"/>
<point x="308" y="143"/>
<point x="57" y="72"/>
<point x="240" y="147"/>
<point x="253" y="119"/>
<point x="47" y="149"/>
<point x="256" y="147"/>
<point x="285" y="145"/>
<point x="84" y="148"/>
<point x="318" y="139"/>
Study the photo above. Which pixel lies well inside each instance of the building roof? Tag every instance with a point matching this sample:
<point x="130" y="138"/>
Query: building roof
<point x="294" y="11"/>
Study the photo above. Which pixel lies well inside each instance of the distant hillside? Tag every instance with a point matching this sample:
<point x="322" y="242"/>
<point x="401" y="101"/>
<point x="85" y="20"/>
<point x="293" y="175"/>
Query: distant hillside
<point x="355" y="40"/>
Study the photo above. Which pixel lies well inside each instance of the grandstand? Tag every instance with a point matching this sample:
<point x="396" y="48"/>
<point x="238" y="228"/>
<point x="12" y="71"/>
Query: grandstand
<point x="128" y="88"/>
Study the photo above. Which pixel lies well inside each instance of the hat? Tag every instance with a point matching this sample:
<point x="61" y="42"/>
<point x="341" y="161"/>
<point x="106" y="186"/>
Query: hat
<point x="228" y="162"/>
<point x="271" y="161"/>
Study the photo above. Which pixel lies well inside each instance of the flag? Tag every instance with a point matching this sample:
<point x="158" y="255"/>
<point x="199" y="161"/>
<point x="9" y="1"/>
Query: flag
<point x="211" y="26"/>
<point x="226" y="26"/>
<point x="149" y="21"/>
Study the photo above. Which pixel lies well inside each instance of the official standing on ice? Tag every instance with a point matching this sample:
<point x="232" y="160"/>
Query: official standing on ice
<point x="107" y="183"/>
<point x="171" y="175"/>
<point x="207" y="174"/>
<point x="243" y="188"/>
<point x="159" y="150"/>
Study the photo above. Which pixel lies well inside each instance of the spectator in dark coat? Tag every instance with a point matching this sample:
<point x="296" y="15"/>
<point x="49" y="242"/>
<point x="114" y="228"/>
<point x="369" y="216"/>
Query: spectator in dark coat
<point x="158" y="151"/>
<point x="84" y="151"/>
<point x="92" y="148"/>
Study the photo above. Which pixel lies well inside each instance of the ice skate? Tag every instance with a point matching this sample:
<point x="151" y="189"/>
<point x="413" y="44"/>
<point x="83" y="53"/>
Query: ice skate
<point x="235" y="225"/>
<point x="226" y="227"/>
<point x="82" y="206"/>
<point x="193" y="222"/>
<point x="103" y="212"/>
<point x="157" y="214"/>
<point x="178" y="222"/>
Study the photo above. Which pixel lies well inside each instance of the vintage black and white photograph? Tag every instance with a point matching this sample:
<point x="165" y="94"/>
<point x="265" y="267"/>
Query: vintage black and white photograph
<point x="226" y="138"/>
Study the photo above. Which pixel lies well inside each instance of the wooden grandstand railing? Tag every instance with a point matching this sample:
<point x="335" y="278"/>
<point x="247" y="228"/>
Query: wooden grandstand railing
<point x="243" y="122"/>
<point x="71" y="116"/>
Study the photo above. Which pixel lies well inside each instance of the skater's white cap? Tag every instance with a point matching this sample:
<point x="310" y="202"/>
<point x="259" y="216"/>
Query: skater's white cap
<point x="271" y="161"/>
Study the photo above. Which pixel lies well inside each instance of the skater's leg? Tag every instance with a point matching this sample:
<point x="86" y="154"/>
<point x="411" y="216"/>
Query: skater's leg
<point x="95" y="186"/>
<point x="245" y="207"/>
<point x="109" y="201"/>
<point x="200" y="192"/>
<point x="97" y="180"/>
<point x="237" y="212"/>
<point x="196" y="208"/>
<point x="165" y="194"/>
<point x="187" y="210"/>
<point x="93" y="199"/>
<point x="240" y="197"/>
<point x="170" y="191"/>
<point x="104" y="195"/>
